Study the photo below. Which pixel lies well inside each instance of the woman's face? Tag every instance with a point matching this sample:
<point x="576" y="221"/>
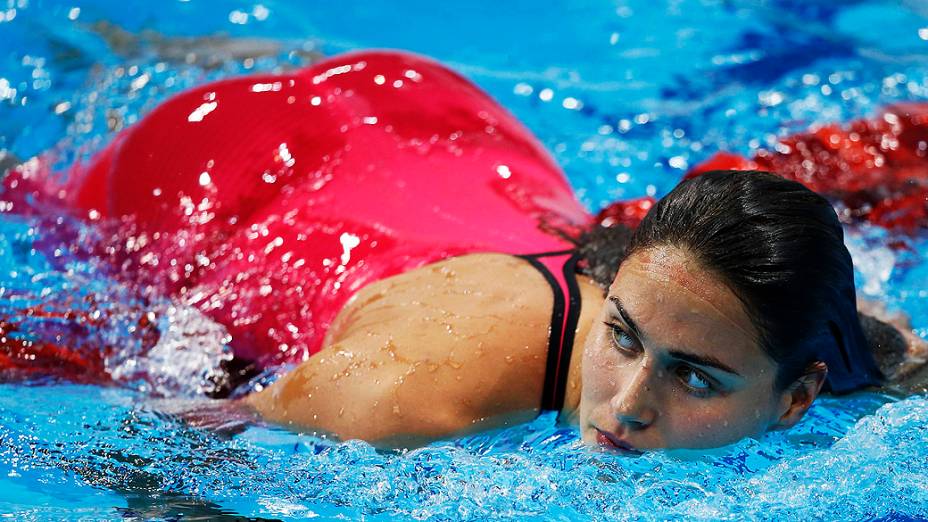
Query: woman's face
<point x="674" y="361"/>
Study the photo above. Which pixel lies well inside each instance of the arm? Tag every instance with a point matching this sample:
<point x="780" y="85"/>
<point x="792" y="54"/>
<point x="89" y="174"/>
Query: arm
<point x="362" y="389"/>
<point x="899" y="352"/>
<point x="205" y="51"/>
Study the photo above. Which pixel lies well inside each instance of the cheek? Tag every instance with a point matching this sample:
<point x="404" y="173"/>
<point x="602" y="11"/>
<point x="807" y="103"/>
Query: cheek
<point x="714" y="422"/>
<point x="599" y="367"/>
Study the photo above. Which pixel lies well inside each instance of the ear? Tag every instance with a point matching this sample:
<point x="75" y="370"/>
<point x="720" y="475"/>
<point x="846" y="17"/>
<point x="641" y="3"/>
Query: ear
<point x="800" y="394"/>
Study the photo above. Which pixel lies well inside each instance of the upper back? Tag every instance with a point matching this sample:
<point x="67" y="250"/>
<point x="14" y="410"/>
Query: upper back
<point x="463" y="303"/>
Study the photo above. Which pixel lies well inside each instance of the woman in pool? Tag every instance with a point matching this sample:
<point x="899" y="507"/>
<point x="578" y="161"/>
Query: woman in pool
<point x="379" y="209"/>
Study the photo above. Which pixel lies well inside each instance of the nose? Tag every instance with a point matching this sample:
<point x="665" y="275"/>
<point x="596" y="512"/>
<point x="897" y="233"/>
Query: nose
<point x="633" y="403"/>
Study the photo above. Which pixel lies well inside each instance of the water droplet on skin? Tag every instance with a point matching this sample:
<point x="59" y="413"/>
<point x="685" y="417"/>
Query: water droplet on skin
<point x="509" y="359"/>
<point x="390" y="348"/>
<point x="341" y="412"/>
<point x="396" y="409"/>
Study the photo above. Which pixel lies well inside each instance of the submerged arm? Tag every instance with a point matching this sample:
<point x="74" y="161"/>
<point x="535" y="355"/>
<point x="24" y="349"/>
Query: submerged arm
<point x="900" y="353"/>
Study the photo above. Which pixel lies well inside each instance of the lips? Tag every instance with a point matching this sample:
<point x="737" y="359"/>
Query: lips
<point x="613" y="442"/>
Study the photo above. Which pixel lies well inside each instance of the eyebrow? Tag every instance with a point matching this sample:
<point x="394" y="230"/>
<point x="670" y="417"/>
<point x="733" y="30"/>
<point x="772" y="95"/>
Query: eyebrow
<point x="628" y="320"/>
<point x="701" y="360"/>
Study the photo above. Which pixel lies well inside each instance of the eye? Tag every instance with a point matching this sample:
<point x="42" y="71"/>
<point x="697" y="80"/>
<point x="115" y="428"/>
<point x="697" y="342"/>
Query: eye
<point x="695" y="381"/>
<point x="621" y="338"/>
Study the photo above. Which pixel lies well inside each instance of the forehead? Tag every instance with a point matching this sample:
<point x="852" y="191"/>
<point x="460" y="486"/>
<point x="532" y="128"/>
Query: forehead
<point x="678" y="305"/>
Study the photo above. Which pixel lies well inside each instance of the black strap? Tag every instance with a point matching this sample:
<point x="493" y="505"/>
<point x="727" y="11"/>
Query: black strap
<point x="555" y="385"/>
<point x="573" y="317"/>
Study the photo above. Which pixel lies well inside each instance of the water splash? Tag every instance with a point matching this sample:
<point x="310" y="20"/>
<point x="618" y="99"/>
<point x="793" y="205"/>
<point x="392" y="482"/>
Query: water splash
<point x="829" y="466"/>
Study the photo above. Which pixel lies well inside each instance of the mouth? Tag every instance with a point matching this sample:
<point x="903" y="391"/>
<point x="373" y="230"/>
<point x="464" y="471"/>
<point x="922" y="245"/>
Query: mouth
<point x="612" y="442"/>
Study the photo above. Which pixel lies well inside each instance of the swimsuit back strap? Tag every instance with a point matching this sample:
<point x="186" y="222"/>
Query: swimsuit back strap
<point x="559" y="270"/>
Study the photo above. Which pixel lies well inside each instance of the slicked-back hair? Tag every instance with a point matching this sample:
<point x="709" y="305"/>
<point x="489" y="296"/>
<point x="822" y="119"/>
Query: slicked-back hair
<point x="780" y="248"/>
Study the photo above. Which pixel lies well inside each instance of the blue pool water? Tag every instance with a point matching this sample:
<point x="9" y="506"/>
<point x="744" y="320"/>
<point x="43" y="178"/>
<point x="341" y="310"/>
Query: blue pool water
<point x="627" y="95"/>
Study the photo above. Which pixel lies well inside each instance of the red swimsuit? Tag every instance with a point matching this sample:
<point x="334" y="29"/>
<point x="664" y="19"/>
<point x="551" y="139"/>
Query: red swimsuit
<point x="268" y="201"/>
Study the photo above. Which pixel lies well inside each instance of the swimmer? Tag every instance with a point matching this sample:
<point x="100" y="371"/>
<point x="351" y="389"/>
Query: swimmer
<point x="384" y="229"/>
<point x="733" y="308"/>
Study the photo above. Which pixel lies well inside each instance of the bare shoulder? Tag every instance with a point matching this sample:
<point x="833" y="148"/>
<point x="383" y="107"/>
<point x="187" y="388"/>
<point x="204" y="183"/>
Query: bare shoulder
<point x="481" y="274"/>
<point x="474" y="290"/>
<point x="449" y="347"/>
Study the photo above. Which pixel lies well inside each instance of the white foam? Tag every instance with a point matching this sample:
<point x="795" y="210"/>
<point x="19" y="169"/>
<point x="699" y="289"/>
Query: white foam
<point x="188" y="354"/>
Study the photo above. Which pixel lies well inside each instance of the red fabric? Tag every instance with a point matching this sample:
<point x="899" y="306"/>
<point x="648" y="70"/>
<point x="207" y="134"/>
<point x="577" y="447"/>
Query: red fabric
<point x="877" y="168"/>
<point x="277" y="197"/>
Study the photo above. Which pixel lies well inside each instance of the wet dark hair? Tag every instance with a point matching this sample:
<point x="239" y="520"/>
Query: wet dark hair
<point x="780" y="248"/>
<point x="602" y="249"/>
